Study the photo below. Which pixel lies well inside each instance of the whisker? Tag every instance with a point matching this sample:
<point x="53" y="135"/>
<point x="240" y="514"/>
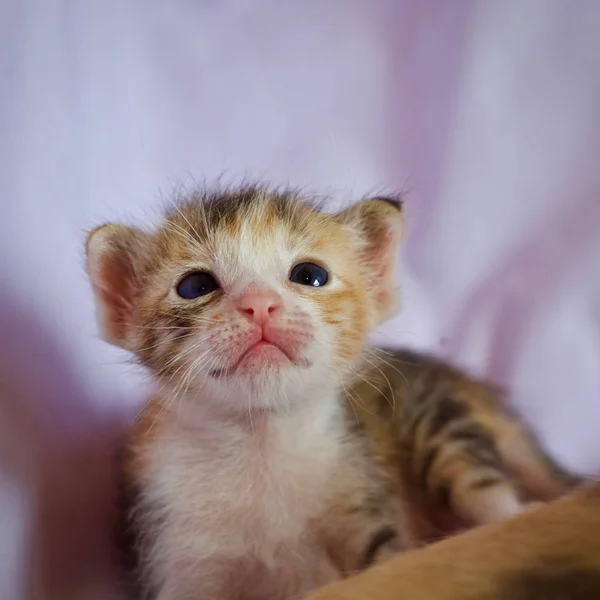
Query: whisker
<point x="389" y="364"/>
<point x="351" y="403"/>
<point x="188" y="222"/>
<point x="165" y="341"/>
<point x="182" y="232"/>
<point x="393" y="402"/>
<point x="357" y="400"/>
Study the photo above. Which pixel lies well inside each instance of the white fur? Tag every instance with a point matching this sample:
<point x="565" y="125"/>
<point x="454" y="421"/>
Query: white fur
<point x="241" y="497"/>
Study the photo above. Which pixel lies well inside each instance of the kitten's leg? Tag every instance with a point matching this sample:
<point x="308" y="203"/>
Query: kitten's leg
<point x="478" y="493"/>
<point x="482" y="460"/>
<point x="458" y="462"/>
<point x="538" y="475"/>
<point x="362" y="523"/>
<point x="355" y="541"/>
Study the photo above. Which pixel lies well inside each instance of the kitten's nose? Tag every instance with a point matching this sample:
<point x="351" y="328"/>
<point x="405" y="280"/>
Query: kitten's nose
<point x="259" y="304"/>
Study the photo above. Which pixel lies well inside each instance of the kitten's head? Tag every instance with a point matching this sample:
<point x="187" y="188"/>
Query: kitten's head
<point x="248" y="297"/>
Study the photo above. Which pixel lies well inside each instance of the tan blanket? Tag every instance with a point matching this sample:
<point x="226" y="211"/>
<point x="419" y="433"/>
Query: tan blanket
<point x="548" y="553"/>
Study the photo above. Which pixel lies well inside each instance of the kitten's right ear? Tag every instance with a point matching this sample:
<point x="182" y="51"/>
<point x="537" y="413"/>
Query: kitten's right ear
<point x="379" y="223"/>
<point x="112" y="256"/>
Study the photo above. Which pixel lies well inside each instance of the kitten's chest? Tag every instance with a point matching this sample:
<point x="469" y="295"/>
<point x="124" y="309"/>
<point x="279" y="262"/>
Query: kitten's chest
<point x="256" y="490"/>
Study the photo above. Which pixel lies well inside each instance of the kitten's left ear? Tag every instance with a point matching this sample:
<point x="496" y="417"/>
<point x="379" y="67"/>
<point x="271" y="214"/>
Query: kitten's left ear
<point x="112" y="254"/>
<point x="379" y="222"/>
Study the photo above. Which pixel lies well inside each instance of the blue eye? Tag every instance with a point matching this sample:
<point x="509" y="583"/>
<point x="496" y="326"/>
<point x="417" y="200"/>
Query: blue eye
<point x="197" y="284"/>
<point x="309" y="274"/>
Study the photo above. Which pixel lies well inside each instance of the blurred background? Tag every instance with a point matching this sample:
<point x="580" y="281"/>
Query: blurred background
<point x="486" y="112"/>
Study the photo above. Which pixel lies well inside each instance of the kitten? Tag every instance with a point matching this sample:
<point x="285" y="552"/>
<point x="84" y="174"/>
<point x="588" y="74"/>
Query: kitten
<point x="281" y="453"/>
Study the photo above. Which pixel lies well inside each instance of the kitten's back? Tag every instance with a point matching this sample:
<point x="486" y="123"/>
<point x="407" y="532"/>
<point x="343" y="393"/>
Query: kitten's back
<point x="429" y="422"/>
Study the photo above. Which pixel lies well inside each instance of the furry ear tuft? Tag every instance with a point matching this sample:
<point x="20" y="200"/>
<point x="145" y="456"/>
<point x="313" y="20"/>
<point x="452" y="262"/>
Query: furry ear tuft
<point x="112" y="253"/>
<point x="380" y="223"/>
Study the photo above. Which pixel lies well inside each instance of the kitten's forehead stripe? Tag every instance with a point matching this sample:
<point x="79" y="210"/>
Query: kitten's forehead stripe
<point x="203" y="215"/>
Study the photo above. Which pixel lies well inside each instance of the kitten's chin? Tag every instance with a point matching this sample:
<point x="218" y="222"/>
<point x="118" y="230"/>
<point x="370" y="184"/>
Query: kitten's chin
<point x="271" y="388"/>
<point x="261" y="362"/>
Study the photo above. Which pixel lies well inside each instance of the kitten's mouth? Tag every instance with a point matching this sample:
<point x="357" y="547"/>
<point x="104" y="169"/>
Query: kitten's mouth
<point x="263" y="354"/>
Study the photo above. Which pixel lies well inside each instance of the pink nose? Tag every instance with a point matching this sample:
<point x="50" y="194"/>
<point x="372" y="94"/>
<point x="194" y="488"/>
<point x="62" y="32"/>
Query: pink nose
<point x="259" y="304"/>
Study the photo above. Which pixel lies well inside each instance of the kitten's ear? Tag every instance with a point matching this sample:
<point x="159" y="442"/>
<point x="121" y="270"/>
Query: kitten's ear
<point x="112" y="255"/>
<point x="380" y="223"/>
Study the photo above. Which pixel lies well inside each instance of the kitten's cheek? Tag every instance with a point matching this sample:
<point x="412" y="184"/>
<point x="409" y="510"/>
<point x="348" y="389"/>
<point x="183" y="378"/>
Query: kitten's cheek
<point x="318" y="350"/>
<point x="221" y="341"/>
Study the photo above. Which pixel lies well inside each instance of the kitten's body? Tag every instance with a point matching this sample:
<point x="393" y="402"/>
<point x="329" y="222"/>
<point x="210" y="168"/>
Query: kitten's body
<point x="282" y="503"/>
<point x="457" y="456"/>
<point x="272" y="461"/>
